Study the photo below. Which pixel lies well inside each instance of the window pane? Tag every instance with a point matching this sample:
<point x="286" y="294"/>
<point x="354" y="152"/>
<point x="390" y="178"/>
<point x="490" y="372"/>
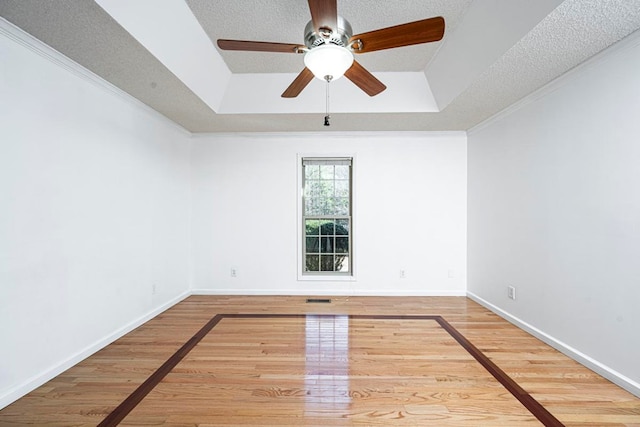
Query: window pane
<point x="342" y="188"/>
<point x="342" y="227"/>
<point x="312" y="227"/>
<point x="326" y="172"/>
<point x="342" y="245"/>
<point x="312" y="172"/>
<point x="326" y="207"/>
<point x="326" y="263"/>
<point x="312" y="263"/>
<point x="327" y="244"/>
<point x="342" y="265"/>
<point x="313" y="189"/>
<point x="341" y="206"/>
<point x="327" y="228"/>
<point x="313" y="245"/>
<point x="314" y="207"/>
<point x="309" y="207"/>
<point x="342" y="172"/>
<point x="326" y="188"/>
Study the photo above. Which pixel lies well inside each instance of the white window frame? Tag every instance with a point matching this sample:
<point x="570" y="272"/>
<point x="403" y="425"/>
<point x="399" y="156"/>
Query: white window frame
<point x="323" y="276"/>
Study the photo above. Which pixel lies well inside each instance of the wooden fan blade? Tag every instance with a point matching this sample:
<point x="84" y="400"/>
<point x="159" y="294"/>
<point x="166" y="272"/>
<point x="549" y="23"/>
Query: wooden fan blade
<point x="259" y="46"/>
<point x="298" y="84"/>
<point x="324" y="14"/>
<point x="425" y="31"/>
<point x="364" y="79"/>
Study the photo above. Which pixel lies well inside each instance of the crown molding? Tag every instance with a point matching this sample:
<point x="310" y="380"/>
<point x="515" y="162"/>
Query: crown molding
<point x="331" y="134"/>
<point x="603" y="56"/>
<point x="45" y="51"/>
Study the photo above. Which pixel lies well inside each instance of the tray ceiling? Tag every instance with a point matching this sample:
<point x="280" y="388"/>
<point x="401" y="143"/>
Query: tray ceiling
<point x="492" y="55"/>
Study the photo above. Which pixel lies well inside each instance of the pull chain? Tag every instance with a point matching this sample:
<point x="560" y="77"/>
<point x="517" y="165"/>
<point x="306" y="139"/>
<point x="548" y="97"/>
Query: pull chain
<point x="327" y="116"/>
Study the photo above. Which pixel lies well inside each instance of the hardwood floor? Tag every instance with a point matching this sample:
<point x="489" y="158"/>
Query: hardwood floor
<point x="357" y="361"/>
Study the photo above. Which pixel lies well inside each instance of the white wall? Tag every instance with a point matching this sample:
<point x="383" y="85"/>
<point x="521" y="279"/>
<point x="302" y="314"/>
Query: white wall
<point x="94" y="194"/>
<point x="410" y="212"/>
<point x="554" y="210"/>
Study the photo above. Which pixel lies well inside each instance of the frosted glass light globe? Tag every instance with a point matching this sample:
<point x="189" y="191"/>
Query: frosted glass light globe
<point x="328" y="60"/>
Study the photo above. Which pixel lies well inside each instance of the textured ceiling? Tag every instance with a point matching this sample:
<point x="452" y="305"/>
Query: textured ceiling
<point x="573" y="33"/>
<point x="284" y="21"/>
<point x="83" y="31"/>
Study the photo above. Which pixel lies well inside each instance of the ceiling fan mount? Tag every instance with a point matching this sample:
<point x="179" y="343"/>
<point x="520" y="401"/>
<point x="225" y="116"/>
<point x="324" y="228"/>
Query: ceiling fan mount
<point x="339" y="36"/>
<point x="329" y="45"/>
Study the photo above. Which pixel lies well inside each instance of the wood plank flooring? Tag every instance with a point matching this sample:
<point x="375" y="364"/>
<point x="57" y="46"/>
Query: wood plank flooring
<point x="357" y="361"/>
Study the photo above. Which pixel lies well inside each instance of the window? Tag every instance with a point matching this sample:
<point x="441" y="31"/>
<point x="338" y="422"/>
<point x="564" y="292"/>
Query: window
<point x="326" y="216"/>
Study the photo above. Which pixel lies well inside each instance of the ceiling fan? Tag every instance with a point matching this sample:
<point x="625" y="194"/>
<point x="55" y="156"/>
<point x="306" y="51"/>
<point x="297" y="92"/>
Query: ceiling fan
<point x="329" y="45"/>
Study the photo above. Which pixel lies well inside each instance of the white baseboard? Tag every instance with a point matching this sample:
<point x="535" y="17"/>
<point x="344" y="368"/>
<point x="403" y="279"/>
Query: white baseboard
<point x="36" y="381"/>
<point x="259" y="292"/>
<point x="599" y="368"/>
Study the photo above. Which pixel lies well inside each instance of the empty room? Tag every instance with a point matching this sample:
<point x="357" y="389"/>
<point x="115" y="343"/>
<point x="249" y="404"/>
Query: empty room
<point x="320" y="213"/>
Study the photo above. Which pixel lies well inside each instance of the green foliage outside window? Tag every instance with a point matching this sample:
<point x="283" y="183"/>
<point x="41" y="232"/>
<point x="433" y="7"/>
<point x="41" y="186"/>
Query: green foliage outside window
<point x="327" y="244"/>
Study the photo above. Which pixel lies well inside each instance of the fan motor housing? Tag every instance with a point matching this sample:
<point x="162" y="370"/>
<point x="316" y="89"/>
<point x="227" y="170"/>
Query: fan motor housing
<point x="339" y="36"/>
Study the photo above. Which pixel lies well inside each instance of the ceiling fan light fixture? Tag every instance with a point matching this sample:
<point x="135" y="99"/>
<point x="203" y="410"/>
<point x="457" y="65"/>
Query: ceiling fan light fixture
<point x="328" y="60"/>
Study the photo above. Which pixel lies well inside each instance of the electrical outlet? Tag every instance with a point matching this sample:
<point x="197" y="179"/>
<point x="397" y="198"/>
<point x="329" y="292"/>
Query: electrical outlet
<point x="403" y="274"/>
<point x="234" y="272"/>
<point x="154" y="290"/>
<point x="511" y="292"/>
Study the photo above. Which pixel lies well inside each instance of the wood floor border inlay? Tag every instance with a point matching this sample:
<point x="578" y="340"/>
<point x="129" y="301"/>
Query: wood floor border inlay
<point x="532" y="405"/>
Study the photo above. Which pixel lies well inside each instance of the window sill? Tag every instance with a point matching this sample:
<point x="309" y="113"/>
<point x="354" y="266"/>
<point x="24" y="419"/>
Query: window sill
<point x="326" y="278"/>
